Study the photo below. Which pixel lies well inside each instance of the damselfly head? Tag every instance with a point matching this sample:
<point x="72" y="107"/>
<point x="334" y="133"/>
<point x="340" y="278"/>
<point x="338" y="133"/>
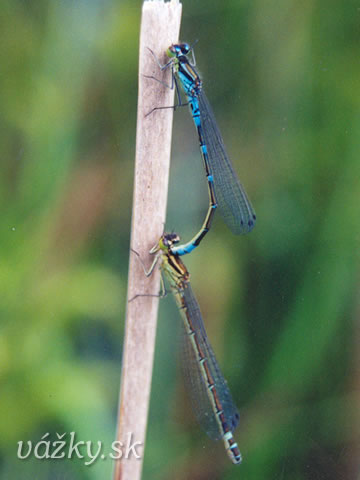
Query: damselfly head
<point x="184" y="48"/>
<point x="178" y="49"/>
<point x="168" y="240"/>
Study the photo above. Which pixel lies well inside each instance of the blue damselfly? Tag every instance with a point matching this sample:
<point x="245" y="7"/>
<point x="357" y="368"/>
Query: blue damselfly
<point x="225" y="190"/>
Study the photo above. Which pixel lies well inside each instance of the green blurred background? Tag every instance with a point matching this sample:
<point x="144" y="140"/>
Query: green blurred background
<point x="280" y="305"/>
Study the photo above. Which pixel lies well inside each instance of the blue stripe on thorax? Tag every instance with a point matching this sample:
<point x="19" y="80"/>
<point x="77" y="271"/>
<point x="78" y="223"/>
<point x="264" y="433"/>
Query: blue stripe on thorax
<point x="188" y="85"/>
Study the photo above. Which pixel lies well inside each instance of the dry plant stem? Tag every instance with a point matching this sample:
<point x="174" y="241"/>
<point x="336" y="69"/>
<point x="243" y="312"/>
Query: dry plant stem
<point x="160" y="26"/>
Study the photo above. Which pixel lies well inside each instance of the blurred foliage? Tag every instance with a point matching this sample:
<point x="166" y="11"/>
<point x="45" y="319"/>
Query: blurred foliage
<point x="280" y="305"/>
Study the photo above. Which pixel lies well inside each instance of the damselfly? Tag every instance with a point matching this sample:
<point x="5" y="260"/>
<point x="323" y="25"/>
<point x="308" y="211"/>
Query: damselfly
<point x="209" y="392"/>
<point x="225" y="190"/>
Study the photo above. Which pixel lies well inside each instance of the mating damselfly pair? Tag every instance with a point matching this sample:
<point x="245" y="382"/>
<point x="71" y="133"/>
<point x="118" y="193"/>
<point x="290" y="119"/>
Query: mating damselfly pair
<point x="209" y="392"/>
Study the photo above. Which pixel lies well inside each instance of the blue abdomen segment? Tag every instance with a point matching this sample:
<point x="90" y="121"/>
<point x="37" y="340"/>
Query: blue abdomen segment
<point x="233" y="203"/>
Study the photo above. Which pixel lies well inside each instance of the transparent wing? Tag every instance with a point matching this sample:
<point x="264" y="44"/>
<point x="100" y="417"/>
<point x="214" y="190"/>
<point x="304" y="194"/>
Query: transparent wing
<point x="195" y="381"/>
<point x="233" y="203"/>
